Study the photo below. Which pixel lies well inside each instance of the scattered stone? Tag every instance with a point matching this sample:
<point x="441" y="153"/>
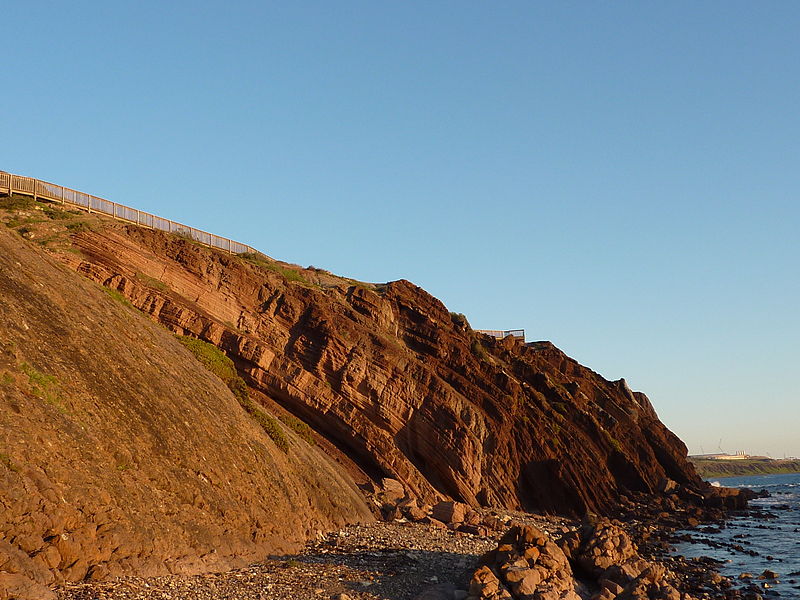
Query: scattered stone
<point x="767" y="574"/>
<point x="450" y="512"/>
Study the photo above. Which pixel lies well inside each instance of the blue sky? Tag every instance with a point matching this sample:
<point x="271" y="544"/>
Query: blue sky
<point x="619" y="178"/>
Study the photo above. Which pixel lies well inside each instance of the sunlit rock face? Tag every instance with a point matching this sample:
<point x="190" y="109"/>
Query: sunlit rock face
<point x="396" y="384"/>
<point x="121" y="454"/>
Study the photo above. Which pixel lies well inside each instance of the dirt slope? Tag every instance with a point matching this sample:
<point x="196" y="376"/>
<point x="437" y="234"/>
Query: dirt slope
<point x="387" y="375"/>
<point x="120" y="453"/>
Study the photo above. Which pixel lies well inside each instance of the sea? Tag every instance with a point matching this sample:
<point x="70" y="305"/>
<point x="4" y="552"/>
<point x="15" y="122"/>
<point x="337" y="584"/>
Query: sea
<point x="767" y="537"/>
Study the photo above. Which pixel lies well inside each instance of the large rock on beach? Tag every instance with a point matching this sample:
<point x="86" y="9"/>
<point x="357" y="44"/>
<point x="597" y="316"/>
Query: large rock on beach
<point x="529" y="565"/>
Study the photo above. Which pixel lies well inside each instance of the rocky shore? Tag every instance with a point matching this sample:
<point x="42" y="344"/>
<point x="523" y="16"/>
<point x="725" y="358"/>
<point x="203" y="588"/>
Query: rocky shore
<point x="463" y="554"/>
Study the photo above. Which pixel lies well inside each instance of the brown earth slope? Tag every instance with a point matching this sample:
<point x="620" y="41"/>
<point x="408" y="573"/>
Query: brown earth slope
<point x="120" y="453"/>
<point x="389" y="376"/>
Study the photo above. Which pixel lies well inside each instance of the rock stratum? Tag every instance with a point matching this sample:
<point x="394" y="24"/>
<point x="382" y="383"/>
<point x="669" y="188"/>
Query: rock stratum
<point x="120" y="453"/>
<point x="135" y="456"/>
<point x="401" y="386"/>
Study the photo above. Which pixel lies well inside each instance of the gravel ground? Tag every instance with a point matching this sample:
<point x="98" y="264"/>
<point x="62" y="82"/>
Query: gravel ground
<point x="378" y="561"/>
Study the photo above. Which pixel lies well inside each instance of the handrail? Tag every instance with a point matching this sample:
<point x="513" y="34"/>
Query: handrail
<point x="503" y="333"/>
<point x="28" y="186"/>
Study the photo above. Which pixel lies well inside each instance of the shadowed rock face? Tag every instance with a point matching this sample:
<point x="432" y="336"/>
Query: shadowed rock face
<point x="402" y="387"/>
<point x="120" y="453"/>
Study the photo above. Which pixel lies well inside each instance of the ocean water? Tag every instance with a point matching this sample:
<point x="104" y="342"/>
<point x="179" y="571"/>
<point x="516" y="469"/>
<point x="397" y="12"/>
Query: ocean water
<point x="765" y="537"/>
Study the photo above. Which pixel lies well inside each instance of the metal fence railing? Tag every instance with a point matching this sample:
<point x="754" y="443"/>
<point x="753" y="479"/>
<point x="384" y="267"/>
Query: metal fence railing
<point x="503" y="333"/>
<point x="17" y="184"/>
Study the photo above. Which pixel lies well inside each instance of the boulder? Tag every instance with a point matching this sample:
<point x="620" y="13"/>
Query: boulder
<point x="528" y="565"/>
<point x="667" y="486"/>
<point x="16" y="586"/>
<point x="391" y="494"/>
<point x="450" y="512"/>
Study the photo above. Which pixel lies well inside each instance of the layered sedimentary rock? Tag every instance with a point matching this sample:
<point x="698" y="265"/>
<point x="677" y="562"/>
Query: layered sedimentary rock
<point x="399" y="384"/>
<point x="120" y="453"/>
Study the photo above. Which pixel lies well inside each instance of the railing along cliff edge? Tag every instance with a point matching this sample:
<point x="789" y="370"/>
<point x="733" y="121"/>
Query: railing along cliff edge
<point x="503" y="333"/>
<point x="17" y="184"/>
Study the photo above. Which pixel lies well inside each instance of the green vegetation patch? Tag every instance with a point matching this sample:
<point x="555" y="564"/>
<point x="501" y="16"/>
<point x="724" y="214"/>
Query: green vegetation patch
<point x="287" y="273"/>
<point x="611" y="440"/>
<point x="44" y="386"/>
<point x="299" y="427"/>
<point x="216" y="361"/>
<point x="268" y="423"/>
<point x="273" y="429"/>
<point x="78" y="226"/>
<point x="152" y="282"/>
<point x="222" y="366"/>
<point x="460" y="320"/>
<point x="6" y="461"/>
<point x="117" y="295"/>
<point x="17" y="202"/>
<point x="56" y="213"/>
<point x="478" y="350"/>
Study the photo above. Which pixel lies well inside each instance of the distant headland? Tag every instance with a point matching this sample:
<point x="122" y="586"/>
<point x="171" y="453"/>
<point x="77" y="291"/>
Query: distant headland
<point x="731" y="465"/>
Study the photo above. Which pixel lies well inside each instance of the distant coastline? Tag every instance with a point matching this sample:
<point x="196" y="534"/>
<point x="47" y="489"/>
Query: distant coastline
<point x="712" y="467"/>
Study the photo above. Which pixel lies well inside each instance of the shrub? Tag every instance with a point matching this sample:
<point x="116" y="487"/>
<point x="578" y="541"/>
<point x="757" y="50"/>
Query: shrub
<point x="16" y="202"/>
<point x="287" y="273"/>
<point x="78" y="226"/>
<point x="460" y="320"/>
<point x="222" y="366"/>
<point x="218" y="363"/>
<point x="478" y="351"/>
<point x="56" y="213"/>
<point x="299" y="427"/>
<point x="6" y="461"/>
<point x="270" y="425"/>
<point x="44" y="386"/>
<point x="611" y="440"/>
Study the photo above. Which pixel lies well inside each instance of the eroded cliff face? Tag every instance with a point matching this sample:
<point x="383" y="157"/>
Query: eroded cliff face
<point x="388" y="376"/>
<point x="120" y="453"/>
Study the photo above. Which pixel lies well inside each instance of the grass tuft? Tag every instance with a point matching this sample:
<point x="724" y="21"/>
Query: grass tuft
<point x="222" y="366"/>
<point x="6" y="461"/>
<point x="44" y="386"/>
<point x="460" y="321"/>
<point x="16" y="202"/>
<point x="268" y="423"/>
<point x="216" y="361"/>
<point x="299" y="427"/>
<point x="287" y="273"/>
<point x="478" y="350"/>
<point x="117" y="295"/>
<point x="152" y="282"/>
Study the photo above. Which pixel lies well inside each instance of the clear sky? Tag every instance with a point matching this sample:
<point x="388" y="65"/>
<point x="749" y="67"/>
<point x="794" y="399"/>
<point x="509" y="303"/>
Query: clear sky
<point x="620" y="178"/>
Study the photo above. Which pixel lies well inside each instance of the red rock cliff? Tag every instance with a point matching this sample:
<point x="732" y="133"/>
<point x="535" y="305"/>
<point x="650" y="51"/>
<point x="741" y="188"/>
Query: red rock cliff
<point x="386" y="374"/>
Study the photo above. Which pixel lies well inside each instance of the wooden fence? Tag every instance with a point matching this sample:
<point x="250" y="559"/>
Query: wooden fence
<point x="42" y="190"/>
